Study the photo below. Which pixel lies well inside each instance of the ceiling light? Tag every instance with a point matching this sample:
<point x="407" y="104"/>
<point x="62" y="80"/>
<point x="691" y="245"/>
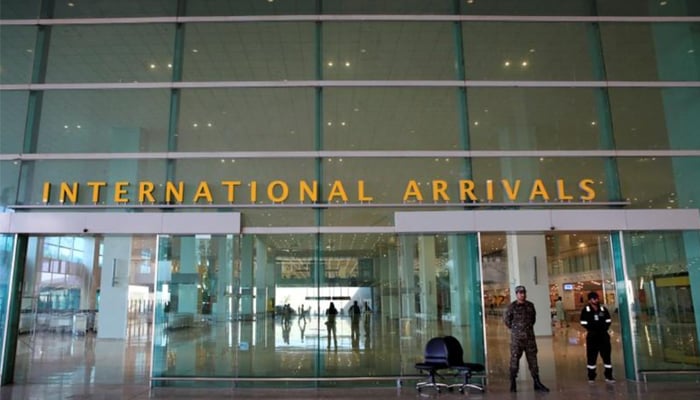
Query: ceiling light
<point x="330" y="63"/>
<point x="507" y="63"/>
<point x="524" y="64"/>
<point x="153" y="66"/>
<point x="347" y="63"/>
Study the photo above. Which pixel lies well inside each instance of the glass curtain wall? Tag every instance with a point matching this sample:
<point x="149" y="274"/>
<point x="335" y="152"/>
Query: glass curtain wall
<point x="573" y="264"/>
<point x="663" y="283"/>
<point x="85" y="296"/>
<point x="281" y="306"/>
<point x="6" y="248"/>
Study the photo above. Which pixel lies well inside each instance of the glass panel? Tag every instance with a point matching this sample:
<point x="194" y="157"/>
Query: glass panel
<point x="534" y="118"/>
<point x="16" y="53"/>
<point x="665" y="299"/>
<point x="428" y="181"/>
<point x="571" y="171"/>
<point x="109" y="8"/>
<point x="667" y="183"/>
<point x="77" y="173"/>
<point x="227" y="119"/>
<point x="567" y="267"/>
<point x="73" y="307"/>
<point x="227" y="7"/>
<point x="13" y="115"/>
<point x="431" y="267"/>
<point x="387" y="7"/>
<point x="9" y="176"/>
<point x="655" y="119"/>
<point x="13" y="9"/>
<point x="652" y="8"/>
<point x="260" y="181"/>
<point x="651" y="51"/>
<point x="111" y="53"/>
<point x="527" y="51"/>
<point x="344" y="216"/>
<point x="259" y="51"/>
<point x="108" y="121"/>
<point x="6" y="247"/>
<point x="200" y="290"/>
<point x="388" y="50"/>
<point x="530" y="7"/>
<point x="264" y="298"/>
<point x="391" y="119"/>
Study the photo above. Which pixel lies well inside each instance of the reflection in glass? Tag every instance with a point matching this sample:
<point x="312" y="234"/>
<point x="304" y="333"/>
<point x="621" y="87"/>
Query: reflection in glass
<point x="111" y="9"/>
<point x="137" y="53"/>
<point x="249" y="52"/>
<point x="661" y="266"/>
<point x="391" y="119"/>
<point x="650" y="51"/>
<point x="6" y="247"/>
<point x="13" y="116"/>
<point x="527" y="51"/>
<point x="388" y="50"/>
<point x="533" y="119"/>
<point x="227" y="119"/>
<point x="106" y="121"/>
<point x="16" y="53"/>
<point x="36" y="173"/>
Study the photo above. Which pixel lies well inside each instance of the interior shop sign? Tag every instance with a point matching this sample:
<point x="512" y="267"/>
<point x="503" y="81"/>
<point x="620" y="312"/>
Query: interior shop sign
<point x="279" y="191"/>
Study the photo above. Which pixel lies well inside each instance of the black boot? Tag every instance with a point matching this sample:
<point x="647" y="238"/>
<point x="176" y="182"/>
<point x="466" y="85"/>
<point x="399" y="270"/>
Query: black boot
<point x="512" y="382"/>
<point x="539" y="387"/>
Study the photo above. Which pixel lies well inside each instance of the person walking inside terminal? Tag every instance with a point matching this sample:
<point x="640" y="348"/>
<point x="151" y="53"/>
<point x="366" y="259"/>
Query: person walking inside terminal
<point x="520" y="318"/>
<point x="331" y="313"/>
<point x="596" y="319"/>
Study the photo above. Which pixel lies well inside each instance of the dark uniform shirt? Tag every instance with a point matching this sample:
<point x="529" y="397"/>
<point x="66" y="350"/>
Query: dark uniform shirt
<point x="520" y="319"/>
<point x="596" y="322"/>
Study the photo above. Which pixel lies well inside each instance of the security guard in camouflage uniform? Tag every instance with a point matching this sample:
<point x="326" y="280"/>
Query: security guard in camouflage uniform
<point x="520" y="319"/>
<point x="596" y="319"/>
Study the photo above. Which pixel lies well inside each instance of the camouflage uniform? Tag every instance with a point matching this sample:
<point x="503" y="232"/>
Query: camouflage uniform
<point x="520" y="319"/>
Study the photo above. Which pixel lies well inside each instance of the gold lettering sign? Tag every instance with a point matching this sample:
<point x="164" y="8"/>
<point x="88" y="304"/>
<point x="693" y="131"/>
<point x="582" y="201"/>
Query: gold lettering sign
<point x="308" y="192"/>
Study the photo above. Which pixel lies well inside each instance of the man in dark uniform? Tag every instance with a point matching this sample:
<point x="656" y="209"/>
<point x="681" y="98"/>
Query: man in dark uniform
<point x="520" y="319"/>
<point x="596" y="319"/>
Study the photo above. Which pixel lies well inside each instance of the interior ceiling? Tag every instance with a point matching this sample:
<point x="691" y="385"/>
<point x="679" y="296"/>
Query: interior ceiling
<point x="371" y="245"/>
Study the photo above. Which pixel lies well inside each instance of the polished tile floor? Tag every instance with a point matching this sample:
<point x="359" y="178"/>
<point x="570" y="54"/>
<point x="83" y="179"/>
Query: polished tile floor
<point x="64" y="366"/>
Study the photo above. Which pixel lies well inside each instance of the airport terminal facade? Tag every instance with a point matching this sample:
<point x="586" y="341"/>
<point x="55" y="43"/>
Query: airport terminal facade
<point x="208" y="176"/>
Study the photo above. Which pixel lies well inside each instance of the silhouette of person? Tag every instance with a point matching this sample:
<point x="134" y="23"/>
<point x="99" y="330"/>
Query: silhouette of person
<point x="302" y="326"/>
<point x="331" y="313"/>
<point x="355" y="315"/>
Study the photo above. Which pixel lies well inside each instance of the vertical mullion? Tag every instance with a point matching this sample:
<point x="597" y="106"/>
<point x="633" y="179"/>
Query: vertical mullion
<point x="602" y="99"/>
<point x="624" y="299"/>
<point x="175" y="93"/>
<point x="318" y="145"/>
<point x="35" y="101"/>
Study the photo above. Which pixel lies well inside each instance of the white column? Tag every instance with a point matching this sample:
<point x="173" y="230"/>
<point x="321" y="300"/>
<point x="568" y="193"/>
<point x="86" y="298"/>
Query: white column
<point x="114" y="288"/>
<point x="426" y="276"/>
<point x="527" y="266"/>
